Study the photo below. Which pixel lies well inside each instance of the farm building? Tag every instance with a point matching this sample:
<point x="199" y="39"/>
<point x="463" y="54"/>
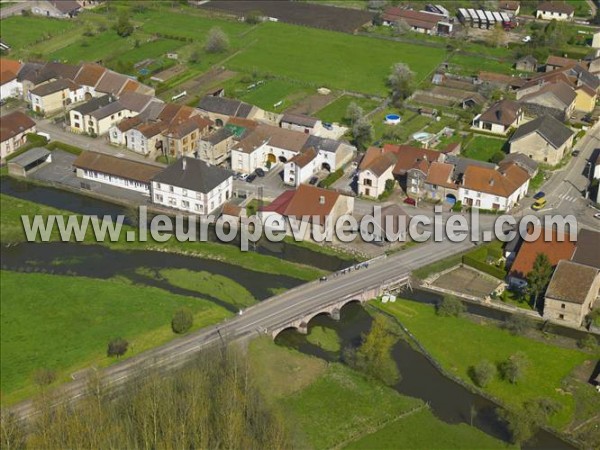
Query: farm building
<point x="21" y="165"/>
<point x="58" y="9"/>
<point x="555" y="11"/>
<point x="545" y="140"/>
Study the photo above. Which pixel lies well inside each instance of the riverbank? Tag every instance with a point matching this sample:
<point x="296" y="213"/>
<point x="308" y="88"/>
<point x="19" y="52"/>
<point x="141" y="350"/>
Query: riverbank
<point x="459" y="343"/>
<point x="329" y="405"/>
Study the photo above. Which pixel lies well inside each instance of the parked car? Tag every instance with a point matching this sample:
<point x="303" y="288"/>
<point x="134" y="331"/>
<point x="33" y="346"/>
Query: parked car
<point x="327" y="126"/>
<point x="597" y="216"/>
<point x="259" y="172"/>
<point x="243" y="176"/>
<point x="410" y="201"/>
<point x="539" y="195"/>
<point x="526" y="39"/>
<point x="575" y="153"/>
<point x="539" y="204"/>
<point x="313" y="181"/>
<point x="250" y="178"/>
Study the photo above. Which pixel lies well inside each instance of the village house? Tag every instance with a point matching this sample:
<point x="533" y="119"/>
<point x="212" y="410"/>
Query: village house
<point x="192" y="185"/>
<point x="521" y="160"/>
<point x="557" y="248"/>
<point x="555" y="10"/>
<point x="375" y="171"/>
<point x="182" y="137"/>
<point x="120" y="172"/>
<point x="493" y="189"/>
<point x="317" y="208"/>
<point x="9" y="84"/>
<point x="418" y="21"/>
<point x="13" y="132"/>
<point x="89" y="76"/>
<point x="32" y="75"/>
<point x="571" y="294"/>
<point x="440" y="183"/>
<point x="586" y="251"/>
<point x="301" y="167"/>
<point x="500" y="117"/>
<point x="558" y="62"/>
<point x="57" y="9"/>
<point x="78" y="116"/>
<point x="500" y="80"/>
<point x="300" y="122"/>
<point x="412" y="166"/>
<point x="215" y="148"/>
<point x="555" y="99"/>
<point x="55" y="96"/>
<point x="545" y="140"/>
<point x="510" y="7"/>
<point x="527" y="63"/>
<point x="220" y="109"/>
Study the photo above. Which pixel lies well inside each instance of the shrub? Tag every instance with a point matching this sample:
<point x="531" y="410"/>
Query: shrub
<point x="44" y="377"/>
<point x="182" y="321"/>
<point x="588" y="342"/>
<point x="457" y="207"/>
<point x="482" y="373"/>
<point x="254" y="17"/>
<point x="450" y="307"/>
<point x="513" y="369"/>
<point x="217" y="41"/>
<point x="331" y="178"/>
<point x="517" y="324"/>
<point x="117" y="347"/>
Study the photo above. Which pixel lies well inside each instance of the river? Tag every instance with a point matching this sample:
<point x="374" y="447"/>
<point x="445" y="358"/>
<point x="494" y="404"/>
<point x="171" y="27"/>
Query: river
<point x="450" y="401"/>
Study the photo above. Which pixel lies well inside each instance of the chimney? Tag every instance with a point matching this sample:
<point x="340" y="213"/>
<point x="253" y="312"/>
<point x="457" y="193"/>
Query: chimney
<point x="491" y="181"/>
<point x="183" y="163"/>
<point x="321" y="200"/>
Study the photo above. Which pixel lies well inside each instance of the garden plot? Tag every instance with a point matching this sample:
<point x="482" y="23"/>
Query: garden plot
<point x="467" y="281"/>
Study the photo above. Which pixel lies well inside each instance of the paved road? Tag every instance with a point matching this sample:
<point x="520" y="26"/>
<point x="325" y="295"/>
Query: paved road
<point x="269" y="314"/>
<point x="13" y="10"/>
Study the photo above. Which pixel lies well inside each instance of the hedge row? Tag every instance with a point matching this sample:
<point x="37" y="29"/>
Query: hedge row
<point x="65" y="147"/>
<point x="483" y="267"/>
<point x="331" y="178"/>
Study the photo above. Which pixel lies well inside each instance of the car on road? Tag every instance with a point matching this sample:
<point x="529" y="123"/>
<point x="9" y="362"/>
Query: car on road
<point x="250" y="178"/>
<point x="539" y="195"/>
<point x="597" y="216"/>
<point x="410" y="201"/>
<point x="313" y="181"/>
<point x="539" y="204"/>
<point x="259" y="172"/>
<point x="575" y="153"/>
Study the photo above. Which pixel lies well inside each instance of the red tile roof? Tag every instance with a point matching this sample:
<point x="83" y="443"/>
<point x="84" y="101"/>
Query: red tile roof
<point x="554" y="250"/>
<point x="307" y="200"/>
<point x="13" y="124"/>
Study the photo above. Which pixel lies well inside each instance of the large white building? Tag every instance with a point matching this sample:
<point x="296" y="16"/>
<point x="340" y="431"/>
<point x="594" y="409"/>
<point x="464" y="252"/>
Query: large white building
<point x="115" y="171"/>
<point x="192" y="185"/>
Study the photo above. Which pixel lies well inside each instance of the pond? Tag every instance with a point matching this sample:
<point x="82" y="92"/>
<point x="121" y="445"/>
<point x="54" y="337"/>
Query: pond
<point x="82" y="204"/>
<point x="449" y="401"/>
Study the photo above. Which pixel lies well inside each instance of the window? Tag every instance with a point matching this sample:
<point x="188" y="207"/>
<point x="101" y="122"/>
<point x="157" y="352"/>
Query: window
<point x="157" y="185"/>
<point x="562" y="306"/>
<point x="561" y="316"/>
<point x="171" y="189"/>
<point x="368" y="182"/>
<point x="185" y="204"/>
<point x="158" y="197"/>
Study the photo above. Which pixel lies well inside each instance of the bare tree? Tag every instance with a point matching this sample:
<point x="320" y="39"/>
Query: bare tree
<point x="217" y="41"/>
<point x="400" y="82"/>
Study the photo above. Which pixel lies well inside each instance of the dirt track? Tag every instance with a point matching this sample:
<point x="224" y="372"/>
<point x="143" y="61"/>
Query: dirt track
<point x="298" y="13"/>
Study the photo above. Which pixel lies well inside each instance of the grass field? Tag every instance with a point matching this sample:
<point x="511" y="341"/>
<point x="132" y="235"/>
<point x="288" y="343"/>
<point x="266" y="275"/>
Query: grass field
<point x="548" y="365"/>
<point x="483" y="148"/>
<point x="322" y="58"/>
<point x="64" y="323"/>
<point x="21" y="32"/>
<point x="332" y="406"/>
<point x="93" y="48"/>
<point x="153" y="49"/>
<point x="336" y="110"/>
<point x="267" y="93"/>
<point x="416" y="431"/>
<point x="471" y="65"/>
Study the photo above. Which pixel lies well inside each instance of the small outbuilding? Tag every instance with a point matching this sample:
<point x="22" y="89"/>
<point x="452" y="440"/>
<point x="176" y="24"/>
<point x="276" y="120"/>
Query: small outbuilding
<point x="21" y="165"/>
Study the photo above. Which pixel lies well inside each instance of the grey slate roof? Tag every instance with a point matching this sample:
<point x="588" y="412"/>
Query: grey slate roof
<point x="107" y="110"/>
<point x="197" y="175"/>
<point x="54" y="86"/>
<point x="94" y="104"/>
<point x="586" y="251"/>
<point x="322" y="144"/>
<point x="30" y="156"/>
<point x="135" y="101"/>
<point x="522" y="161"/>
<point x="549" y="128"/>
<point x="225" y="106"/>
<point x="460" y="164"/>
<point x="218" y="136"/>
<point x="300" y="119"/>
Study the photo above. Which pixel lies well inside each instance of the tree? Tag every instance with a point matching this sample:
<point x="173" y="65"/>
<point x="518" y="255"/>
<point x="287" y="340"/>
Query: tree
<point x="182" y="321"/>
<point x="482" y="373"/>
<point x="450" y="306"/>
<point x="400" y="82"/>
<point x="354" y="113"/>
<point x="588" y="342"/>
<point x="374" y="357"/>
<point x="517" y="323"/>
<point x="513" y="369"/>
<point x="401" y="27"/>
<point x="539" y="277"/>
<point x="44" y="377"/>
<point x="362" y="132"/>
<point x="497" y="36"/>
<point x="523" y="422"/>
<point x="117" y="347"/>
<point x="377" y="19"/>
<point x="217" y="41"/>
<point x="124" y="27"/>
<point x="195" y="56"/>
<point x="497" y="157"/>
<point x="12" y="434"/>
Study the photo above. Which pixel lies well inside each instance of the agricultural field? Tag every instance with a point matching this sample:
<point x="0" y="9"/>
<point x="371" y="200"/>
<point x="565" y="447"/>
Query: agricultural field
<point x="21" y="32"/>
<point x="67" y="322"/>
<point x="336" y="110"/>
<point x="318" y="56"/>
<point x="548" y="365"/>
<point x="483" y="148"/>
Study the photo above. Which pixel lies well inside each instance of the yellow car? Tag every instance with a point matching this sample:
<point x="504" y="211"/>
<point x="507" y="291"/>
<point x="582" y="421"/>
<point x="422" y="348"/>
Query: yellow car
<point x="539" y="204"/>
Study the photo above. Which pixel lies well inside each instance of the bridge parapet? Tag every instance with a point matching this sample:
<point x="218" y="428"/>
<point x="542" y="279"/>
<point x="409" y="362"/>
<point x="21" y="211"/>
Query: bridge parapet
<point x="333" y="308"/>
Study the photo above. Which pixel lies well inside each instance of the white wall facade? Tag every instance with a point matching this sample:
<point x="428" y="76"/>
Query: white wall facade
<point x="548" y="15"/>
<point x="372" y="185"/>
<point x="112" y="180"/>
<point x="483" y="200"/>
<point x="191" y="201"/>
<point x="10" y="89"/>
